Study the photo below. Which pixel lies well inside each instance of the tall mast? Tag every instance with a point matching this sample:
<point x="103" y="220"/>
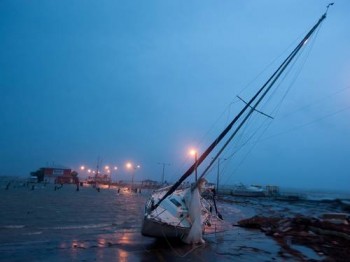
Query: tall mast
<point x="262" y="91"/>
<point x="269" y="85"/>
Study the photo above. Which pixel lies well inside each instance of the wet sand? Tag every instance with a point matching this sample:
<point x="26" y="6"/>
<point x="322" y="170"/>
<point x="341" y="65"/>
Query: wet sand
<point x="86" y="225"/>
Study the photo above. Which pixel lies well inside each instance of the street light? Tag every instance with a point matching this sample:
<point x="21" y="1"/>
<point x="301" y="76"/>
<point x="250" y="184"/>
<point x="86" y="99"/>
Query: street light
<point x="85" y="172"/>
<point x="133" y="168"/>
<point x="194" y="153"/>
<point x="109" y="171"/>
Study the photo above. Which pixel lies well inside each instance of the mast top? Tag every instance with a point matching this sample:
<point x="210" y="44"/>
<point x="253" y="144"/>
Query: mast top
<point x="330" y="4"/>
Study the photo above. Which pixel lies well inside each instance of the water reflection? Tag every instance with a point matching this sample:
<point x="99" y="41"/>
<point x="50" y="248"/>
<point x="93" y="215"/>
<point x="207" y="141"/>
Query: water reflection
<point x="122" y="255"/>
<point x="101" y="242"/>
<point x="125" y="239"/>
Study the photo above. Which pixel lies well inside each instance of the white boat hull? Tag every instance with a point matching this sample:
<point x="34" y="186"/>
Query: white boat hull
<point x="152" y="228"/>
<point x="171" y="219"/>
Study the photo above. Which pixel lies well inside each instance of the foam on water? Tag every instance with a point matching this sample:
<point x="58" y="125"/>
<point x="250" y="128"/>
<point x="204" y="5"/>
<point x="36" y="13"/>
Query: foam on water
<point x="79" y="226"/>
<point x="11" y="226"/>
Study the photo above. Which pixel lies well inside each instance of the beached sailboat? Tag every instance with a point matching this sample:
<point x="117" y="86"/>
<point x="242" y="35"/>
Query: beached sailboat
<point x="181" y="212"/>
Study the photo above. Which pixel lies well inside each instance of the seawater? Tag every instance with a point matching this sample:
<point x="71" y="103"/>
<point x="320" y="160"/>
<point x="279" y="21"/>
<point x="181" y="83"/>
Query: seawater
<point x="44" y="209"/>
<point x="322" y="194"/>
<point x="65" y="218"/>
<point x="45" y="224"/>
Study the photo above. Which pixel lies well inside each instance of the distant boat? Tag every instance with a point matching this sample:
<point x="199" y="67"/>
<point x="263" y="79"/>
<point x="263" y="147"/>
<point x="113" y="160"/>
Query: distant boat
<point x="182" y="212"/>
<point x="248" y="191"/>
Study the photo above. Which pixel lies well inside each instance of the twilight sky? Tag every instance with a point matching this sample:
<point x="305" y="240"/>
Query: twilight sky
<point x="145" y="81"/>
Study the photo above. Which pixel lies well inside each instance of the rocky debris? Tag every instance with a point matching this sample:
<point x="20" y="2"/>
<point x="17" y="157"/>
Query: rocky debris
<point x="336" y="218"/>
<point x="328" y="236"/>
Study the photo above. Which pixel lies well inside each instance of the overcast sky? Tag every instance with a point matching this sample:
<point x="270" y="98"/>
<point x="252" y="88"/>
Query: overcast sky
<point x="145" y="81"/>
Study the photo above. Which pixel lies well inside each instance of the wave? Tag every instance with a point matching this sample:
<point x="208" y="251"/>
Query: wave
<point x="33" y="233"/>
<point x="12" y="226"/>
<point x="79" y="226"/>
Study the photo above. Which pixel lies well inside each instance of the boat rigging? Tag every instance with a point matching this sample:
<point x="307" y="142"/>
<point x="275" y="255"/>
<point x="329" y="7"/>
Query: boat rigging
<point x="169" y="212"/>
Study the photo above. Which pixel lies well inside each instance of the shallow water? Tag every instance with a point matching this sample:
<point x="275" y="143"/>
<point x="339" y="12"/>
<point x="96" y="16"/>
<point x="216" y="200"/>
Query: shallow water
<point x="86" y="225"/>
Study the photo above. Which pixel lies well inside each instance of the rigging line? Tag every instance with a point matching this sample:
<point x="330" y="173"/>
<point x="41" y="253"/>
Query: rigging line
<point x="272" y="62"/>
<point x="296" y="75"/>
<point x="279" y="56"/>
<point x="294" y="78"/>
<point x="234" y="101"/>
<point x="308" y="52"/>
<point x="278" y="86"/>
<point x="246" y="129"/>
<point x="210" y="130"/>
<point x="249" y="151"/>
<point x="239" y="146"/>
<point x="317" y="101"/>
<point x="226" y="112"/>
<point x="263" y="92"/>
<point x="277" y="108"/>
<point x="250" y="138"/>
<point x="281" y="81"/>
<point x="238" y="140"/>
<point x="256" y="109"/>
<point x="256" y="99"/>
<point x="248" y="116"/>
<point x="252" y="135"/>
<point x="241" y="135"/>
<point x="221" y="116"/>
<point x="282" y="133"/>
<point x="308" y="123"/>
<point x="284" y="77"/>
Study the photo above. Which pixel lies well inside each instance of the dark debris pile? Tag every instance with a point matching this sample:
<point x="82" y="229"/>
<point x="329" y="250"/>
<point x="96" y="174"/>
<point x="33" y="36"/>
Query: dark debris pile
<point x="328" y="236"/>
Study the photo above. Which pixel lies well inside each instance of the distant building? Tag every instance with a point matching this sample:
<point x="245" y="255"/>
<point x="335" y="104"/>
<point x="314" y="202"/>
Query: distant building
<point x="57" y="175"/>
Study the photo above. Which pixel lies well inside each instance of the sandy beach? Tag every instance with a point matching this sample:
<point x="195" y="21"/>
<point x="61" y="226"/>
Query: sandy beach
<point x="68" y="225"/>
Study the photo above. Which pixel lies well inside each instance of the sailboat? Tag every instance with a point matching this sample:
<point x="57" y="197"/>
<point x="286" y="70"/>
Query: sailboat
<point x="181" y="212"/>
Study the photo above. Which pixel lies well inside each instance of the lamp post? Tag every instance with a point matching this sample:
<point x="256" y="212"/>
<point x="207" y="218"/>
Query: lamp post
<point x="115" y="169"/>
<point x="163" y="173"/>
<point x="194" y="153"/>
<point x="217" y="175"/>
<point x="97" y="172"/>
<point x="108" y="176"/>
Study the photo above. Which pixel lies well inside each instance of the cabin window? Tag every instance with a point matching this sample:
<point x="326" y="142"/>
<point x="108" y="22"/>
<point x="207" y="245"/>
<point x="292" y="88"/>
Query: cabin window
<point x="175" y="202"/>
